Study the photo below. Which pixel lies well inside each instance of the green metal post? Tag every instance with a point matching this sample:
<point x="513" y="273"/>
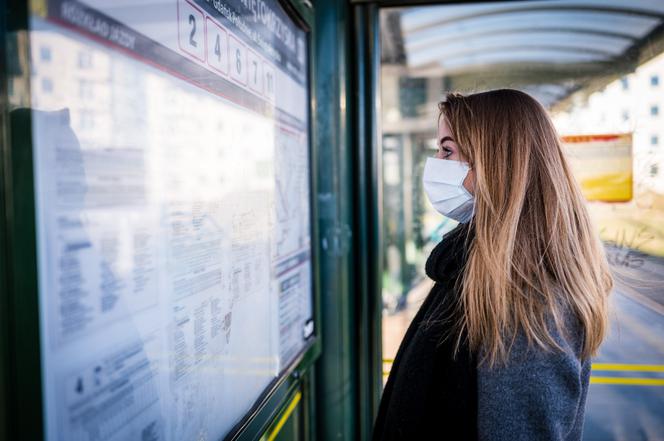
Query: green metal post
<point x="4" y="316"/>
<point x="20" y="300"/>
<point x="336" y="375"/>
<point x="368" y="194"/>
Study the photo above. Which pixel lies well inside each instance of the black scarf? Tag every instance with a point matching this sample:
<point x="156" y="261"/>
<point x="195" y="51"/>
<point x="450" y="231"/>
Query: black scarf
<point x="431" y="392"/>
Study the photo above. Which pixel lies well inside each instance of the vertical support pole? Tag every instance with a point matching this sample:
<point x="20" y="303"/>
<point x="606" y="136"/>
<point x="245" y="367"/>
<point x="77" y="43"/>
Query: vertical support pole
<point x="4" y="285"/>
<point x="368" y="184"/>
<point x="19" y="250"/>
<point x="336" y="374"/>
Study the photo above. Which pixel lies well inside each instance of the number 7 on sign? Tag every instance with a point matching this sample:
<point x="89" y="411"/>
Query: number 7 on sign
<point x="255" y="72"/>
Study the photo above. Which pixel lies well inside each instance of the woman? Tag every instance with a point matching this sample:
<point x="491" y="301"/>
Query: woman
<point x="501" y="347"/>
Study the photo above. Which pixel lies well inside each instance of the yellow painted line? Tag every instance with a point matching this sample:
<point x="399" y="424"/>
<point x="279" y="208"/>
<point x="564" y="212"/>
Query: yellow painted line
<point x="616" y="381"/>
<point x="284" y="417"/>
<point x="628" y="367"/>
<point x="628" y="381"/>
<point x="618" y="367"/>
<point x="606" y="366"/>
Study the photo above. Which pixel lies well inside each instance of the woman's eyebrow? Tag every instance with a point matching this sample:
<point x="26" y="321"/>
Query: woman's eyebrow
<point x="446" y="138"/>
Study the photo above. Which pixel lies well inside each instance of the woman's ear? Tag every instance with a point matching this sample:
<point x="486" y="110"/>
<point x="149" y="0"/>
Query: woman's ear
<point x="469" y="181"/>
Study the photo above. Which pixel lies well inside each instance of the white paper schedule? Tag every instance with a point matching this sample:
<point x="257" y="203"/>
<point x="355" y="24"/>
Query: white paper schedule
<point x="173" y="202"/>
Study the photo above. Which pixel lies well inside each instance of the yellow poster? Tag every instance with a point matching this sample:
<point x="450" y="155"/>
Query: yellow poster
<point x="602" y="165"/>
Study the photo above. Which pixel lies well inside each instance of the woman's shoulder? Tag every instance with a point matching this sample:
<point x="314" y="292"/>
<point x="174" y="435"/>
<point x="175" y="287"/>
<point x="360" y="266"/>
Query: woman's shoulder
<point x="537" y="391"/>
<point x="566" y="332"/>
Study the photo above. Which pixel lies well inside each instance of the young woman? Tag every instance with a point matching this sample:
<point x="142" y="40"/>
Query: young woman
<point x="501" y="347"/>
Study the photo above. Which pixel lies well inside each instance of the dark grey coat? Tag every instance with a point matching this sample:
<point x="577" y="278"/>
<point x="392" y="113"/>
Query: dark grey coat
<point x="432" y="394"/>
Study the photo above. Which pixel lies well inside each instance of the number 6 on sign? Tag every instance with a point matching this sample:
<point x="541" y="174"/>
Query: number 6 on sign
<point x="238" y="60"/>
<point x="191" y="34"/>
<point x="217" y="45"/>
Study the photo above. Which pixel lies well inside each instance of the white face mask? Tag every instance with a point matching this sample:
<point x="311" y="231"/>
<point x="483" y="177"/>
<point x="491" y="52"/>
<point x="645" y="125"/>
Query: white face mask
<point x="443" y="184"/>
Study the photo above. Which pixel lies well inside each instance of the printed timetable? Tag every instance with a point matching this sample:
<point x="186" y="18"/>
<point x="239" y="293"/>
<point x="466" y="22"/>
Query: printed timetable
<point x="171" y="160"/>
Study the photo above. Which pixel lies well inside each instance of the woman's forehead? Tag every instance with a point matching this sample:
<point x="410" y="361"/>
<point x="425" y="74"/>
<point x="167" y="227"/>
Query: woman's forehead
<point x="443" y="128"/>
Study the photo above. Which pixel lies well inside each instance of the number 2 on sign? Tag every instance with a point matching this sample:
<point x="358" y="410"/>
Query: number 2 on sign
<point x="190" y="29"/>
<point x="192" y="22"/>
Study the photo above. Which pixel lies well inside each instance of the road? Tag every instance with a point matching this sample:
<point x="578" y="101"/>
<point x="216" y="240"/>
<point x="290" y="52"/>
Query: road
<point x="631" y="360"/>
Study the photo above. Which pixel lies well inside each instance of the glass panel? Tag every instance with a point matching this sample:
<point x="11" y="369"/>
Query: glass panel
<point x="172" y="176"/>
<point x="596" y="69"/>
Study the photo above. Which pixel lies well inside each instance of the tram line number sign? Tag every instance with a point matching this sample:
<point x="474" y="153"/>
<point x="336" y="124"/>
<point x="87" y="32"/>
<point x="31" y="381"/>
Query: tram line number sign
<point x="204" y="40"/>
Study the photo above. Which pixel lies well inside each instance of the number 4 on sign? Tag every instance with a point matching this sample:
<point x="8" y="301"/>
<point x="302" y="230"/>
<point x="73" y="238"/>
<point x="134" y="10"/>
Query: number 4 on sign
<point x="190" y="30"/>
<point x="217" y="57"/>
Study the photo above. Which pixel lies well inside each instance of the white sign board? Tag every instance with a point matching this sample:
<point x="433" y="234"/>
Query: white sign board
<point x="172" y="180"/>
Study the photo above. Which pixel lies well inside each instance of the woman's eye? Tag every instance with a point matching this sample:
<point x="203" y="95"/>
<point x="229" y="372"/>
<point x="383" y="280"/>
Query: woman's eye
<point x="445" y="152"/>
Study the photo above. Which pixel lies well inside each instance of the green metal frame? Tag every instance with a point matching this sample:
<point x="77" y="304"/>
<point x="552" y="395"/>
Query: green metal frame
<point x="20" y="361"/>
<point x="349" y="373"/>
<point x="407" y="3"/>
<point x="335" y="382"/>
<point x="20" y="301"/>
<point x="4" y="286"/>
<point x="368" y="181"/>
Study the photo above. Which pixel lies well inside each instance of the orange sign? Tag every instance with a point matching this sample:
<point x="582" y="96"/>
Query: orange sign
<point x="602" y="165"/>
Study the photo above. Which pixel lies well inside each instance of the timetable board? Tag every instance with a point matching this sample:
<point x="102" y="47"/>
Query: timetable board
<point x="171" y="164"/>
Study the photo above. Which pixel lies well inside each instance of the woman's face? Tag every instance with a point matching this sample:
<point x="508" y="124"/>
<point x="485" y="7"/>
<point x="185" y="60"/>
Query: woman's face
<point x="448" y="149"/>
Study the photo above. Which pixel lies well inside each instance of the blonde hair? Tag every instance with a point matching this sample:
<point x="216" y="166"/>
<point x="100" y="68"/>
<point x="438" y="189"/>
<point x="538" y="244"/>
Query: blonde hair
<point x="535" y="252"/>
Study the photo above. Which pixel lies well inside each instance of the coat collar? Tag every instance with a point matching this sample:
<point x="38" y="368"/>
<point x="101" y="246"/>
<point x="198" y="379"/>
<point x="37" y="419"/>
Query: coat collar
<point x="447" y="259"/>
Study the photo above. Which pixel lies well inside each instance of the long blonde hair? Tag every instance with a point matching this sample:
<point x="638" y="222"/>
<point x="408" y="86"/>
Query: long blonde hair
<point x="535" y="251"/>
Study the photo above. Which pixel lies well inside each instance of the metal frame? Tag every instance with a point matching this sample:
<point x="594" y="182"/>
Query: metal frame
<point x="21" y="410"/>
<point x="547" y="7"/>
<point x="336" y="373"/>
<point x="23" y="375"/>
<point x="407" y="3"/>
<point x="368" y="181"/>
<point x="4" y="285"/>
